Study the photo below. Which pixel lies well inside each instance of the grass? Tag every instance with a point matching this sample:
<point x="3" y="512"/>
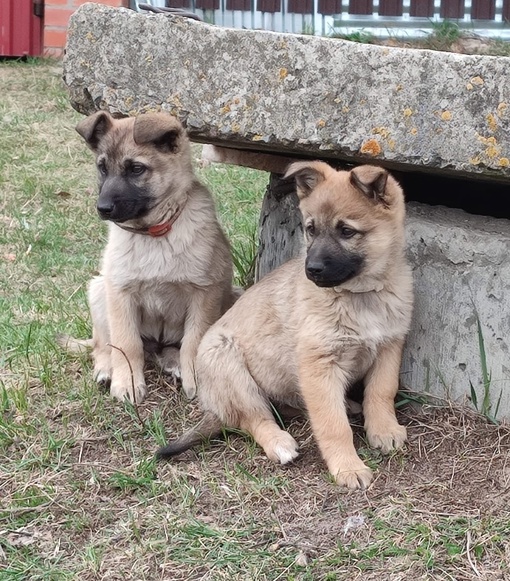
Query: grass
<point x="446" y="35"/>
<point x="81" y="497"/>
<point x="484" y="406"/>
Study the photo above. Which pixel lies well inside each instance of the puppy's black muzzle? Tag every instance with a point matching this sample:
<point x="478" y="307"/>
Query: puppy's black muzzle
<point x="327" y="270"/>
<point x="119" y="201"/>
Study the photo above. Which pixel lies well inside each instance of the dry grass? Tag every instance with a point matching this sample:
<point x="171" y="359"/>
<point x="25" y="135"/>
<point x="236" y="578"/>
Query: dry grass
<point x="81" y="497"/>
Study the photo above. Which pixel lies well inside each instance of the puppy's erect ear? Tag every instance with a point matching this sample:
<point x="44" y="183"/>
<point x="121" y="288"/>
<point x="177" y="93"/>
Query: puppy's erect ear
<point x="94" y="127"/>
<point x="160" y="129"/>
<point x="371" y="180"/>
<point x="308" y="175"/>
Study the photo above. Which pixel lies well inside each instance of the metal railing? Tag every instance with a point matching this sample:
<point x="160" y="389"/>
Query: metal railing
<point x="382" y="18"/>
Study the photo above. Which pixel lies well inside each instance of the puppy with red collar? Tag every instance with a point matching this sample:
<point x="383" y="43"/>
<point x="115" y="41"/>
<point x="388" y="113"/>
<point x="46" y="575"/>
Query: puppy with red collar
<point x="166" y="273"/>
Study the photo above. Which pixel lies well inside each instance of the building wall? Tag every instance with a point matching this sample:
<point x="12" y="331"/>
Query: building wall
<point x="56" y="18"/>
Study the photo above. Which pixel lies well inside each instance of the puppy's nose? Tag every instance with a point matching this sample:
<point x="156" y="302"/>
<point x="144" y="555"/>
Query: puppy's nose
<point x="105" y="208"/>
<point x="315" y="267"/>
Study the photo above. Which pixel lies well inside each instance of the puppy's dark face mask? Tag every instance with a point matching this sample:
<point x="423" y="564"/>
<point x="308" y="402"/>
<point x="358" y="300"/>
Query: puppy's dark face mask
<point x="128" y="155"/>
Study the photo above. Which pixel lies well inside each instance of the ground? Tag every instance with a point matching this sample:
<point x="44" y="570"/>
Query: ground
<point x="81" y="495"/>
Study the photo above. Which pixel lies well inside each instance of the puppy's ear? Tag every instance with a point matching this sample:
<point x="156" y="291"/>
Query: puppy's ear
<point x="371" y="181"/>
<point x="308" y="175"/>
<point x="94" y="127"/>
<point x="162" y="130"/>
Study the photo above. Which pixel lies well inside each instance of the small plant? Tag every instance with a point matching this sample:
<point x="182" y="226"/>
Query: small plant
<point x="358" y="36"/>
<point x="443" y="35"/>
<point x="484" y="406"/>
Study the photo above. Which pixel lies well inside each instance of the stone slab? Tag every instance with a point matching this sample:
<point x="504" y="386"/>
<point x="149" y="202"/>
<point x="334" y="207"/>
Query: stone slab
<point x="461" y="272"/>
<point x="294" y="94"/>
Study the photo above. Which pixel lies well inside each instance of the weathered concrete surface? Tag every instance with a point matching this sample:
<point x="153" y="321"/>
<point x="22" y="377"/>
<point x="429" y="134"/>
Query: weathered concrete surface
<point x="294" y="94"/>
<point x="462" y="274"/>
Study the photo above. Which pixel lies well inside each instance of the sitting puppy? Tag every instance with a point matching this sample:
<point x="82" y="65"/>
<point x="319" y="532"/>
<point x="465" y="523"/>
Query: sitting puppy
<point x="313" y="327"/>
<point x="166" y="274"/>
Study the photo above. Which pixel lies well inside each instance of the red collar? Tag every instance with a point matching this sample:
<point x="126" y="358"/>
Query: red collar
<point x="158" y="229"/>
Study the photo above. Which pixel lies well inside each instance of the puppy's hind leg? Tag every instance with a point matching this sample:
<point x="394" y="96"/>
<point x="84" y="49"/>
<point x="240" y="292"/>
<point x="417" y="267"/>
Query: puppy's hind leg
<point x="169" y="360"/>
<point x="230" y="392"/>
<point x="101" y="351"/>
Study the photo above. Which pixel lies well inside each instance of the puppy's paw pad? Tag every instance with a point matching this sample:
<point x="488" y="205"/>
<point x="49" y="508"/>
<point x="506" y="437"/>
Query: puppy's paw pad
<point x="389" y="439"/>
<point x="190" y="390"/>
<point x="286" y="455"/>
<point x="103" y="378"/>
<point x="121" y="392"/>
<point x="354" y="479"/>
<point x="284" y="449"/>
<point x="173" y="374"/>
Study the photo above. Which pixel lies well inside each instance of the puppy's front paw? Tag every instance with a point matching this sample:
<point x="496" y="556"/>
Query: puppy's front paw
<point x="387" y="437"/>
<point x="284" y="449"/>
<point x="351" y="473"/>
<point x="124" y="390"/>
<point x="102" y="377"/>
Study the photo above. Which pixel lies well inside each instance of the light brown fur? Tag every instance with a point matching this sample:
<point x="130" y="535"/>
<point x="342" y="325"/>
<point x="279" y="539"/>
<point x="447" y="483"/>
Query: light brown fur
<point x="290" y="341"/>
<point x="167" y="290"/>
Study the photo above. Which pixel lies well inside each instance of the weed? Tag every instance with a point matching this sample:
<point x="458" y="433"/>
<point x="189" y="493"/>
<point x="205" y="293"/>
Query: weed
<point x="443" y="35"/>
<point x="485" y="405"/>
<point x="360" y="36"/>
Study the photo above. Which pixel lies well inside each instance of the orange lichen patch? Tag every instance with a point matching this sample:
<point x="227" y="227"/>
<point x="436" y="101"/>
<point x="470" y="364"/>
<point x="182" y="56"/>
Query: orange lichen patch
<point x="504" y="162"/>
<point x="283" y="74"/>
<point x="257" y="137"/>
<point x="502" y="110"/>
<point x="225" y="109"/>
<point x="414" y="131"/>
<point x="399" y="88"/>
<point x="492" y="148"/>
<point x="345" y="109"/>
<point x="371" y="147"/>
<point x="446" y="116"/>
<point x="337" y="100"/>
<point x="469" y="87"/>
<point x="321" y="123"/>
<point x="474" y="160"/>
<point x="408" y="112"/>
<point x="493" y="124"/>
<point x="235" y="127"/>
<point x="478" y="81"/>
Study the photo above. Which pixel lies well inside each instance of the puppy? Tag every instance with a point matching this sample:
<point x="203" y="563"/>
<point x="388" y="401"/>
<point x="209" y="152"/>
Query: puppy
<point x="307" y="331"/>
<point x="166" y="273"/>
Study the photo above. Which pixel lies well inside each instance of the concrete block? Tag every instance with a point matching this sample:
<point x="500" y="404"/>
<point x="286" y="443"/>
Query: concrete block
<point x="293" y="94"/>
<point x="461" y="268"/>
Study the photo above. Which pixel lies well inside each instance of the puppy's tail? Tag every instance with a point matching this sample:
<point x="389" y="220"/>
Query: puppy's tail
<point x="208" y="427"/>
<point x="73" y="345"/>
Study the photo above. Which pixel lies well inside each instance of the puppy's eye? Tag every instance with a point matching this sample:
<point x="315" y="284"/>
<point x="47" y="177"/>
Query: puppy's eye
<point x="101" y="166"/>
<point x="137" y="169"/>
<point x="310" y="229"/>
<point x="347" y="232"/>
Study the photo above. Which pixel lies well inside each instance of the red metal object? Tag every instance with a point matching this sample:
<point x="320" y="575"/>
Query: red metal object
<point x="20" y="27"/>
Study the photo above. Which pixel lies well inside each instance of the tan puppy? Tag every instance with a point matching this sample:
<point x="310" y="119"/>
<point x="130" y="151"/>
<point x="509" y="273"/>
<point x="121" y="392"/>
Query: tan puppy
<point x="311" y="328"/>
<point x="166" y="274"/>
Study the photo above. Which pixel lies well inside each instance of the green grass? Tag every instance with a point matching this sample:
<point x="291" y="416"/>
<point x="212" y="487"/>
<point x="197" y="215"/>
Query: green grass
<point x="81" y="496"/>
